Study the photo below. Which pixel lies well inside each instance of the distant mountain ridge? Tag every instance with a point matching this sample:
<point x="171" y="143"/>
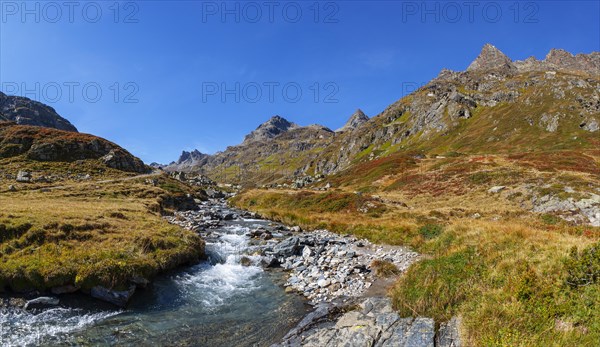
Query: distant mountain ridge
<point x="496" y="105"/>
<point x="491" y="58"/>
<point x="25" y="111"/>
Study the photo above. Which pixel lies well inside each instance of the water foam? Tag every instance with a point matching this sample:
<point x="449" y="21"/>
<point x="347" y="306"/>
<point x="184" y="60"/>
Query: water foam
<point x="22" y="328"/>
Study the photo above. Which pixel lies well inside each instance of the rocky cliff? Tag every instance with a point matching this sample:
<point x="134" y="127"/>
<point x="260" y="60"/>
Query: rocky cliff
<point x="25" y="111"/>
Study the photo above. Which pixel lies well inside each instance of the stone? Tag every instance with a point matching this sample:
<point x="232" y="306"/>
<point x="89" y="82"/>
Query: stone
<point x="448" y="334"/>
<point x="323" y="283"/>
<point x="287" y="247"/>
<point x="421" y="333"/>
<point x="229" y="216"/>
<point x="496" y="189"/>
<point x="306" y="252"/>
<point x="12" y="188"/>
<point x="118" y="298"/>
<point x="23" y="177"/>
<point x="66" y="289"/>
<point x="296" y="229"/>
<point x="41" y="302"/>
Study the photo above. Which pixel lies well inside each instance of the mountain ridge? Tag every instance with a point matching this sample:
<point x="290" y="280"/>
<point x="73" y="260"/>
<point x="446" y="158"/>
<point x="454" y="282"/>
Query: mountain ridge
<point x="455" y="111"/>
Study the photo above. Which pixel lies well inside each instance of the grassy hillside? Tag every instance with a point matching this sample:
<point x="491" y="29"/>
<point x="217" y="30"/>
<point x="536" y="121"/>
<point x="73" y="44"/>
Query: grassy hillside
<point x="103" y="231"/>
<point x="508" y="272"/>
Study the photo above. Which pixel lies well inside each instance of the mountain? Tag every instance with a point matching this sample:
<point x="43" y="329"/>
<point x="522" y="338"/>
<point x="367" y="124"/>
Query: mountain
<point x="491" y="58"/>
<point x="188" y="161"/>
<point x="25" y="111"/>
<point x="269" y="129"/>
<point x="357" y="119"/>
<point x="496" y="106"/>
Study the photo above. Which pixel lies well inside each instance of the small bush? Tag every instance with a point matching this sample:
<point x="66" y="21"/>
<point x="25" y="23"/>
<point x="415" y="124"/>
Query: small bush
<point x="550" y="219"/>
<point x="430" y="231"/>
<point x="583" y="268"/>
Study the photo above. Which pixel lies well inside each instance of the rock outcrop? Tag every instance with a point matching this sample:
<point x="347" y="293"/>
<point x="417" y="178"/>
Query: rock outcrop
<point x="357" y="119"/>
<point x="269" y="129"/>
<point x="491" y="59"/>
<point x="373" y="323"/>
<point x="47" y="144"/>
<point x="24" y="111"/>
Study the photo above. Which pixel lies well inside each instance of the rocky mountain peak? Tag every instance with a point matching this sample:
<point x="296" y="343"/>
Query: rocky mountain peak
<point x="193" y="155"/>
<point x="25" y="111"/>
<point x="269" y="129"/>
<point x="491" y="58"/>
<point x="357" y="119"/>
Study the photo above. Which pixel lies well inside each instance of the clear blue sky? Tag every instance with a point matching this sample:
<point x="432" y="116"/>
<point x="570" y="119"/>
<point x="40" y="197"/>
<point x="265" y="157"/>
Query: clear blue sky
<point x="175" y="57"/>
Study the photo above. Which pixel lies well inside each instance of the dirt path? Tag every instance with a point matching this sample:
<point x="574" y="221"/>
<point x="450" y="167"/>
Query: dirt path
<point x="123" y="179"/>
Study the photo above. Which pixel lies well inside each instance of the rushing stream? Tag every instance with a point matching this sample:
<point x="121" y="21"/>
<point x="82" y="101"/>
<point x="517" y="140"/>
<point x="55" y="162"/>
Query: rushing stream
<point x="216" y="303"/>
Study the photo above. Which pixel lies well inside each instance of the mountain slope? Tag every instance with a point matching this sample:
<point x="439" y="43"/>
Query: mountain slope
<point x="25" y="111"/>
<point x="495" y="106"/>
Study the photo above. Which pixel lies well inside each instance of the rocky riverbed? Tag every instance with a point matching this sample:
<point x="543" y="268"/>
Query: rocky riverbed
<point x="322" y="265"/>
<point x="336" y="274"/>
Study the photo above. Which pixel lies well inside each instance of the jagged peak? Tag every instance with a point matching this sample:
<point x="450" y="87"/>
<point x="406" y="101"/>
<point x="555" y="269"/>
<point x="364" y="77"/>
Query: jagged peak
<point x="356" y="119"/>
<point x="557" y="54"/>
<point x="271" y="128"/>
<point x="193" y="155"/>
<point x="491" y="58"/>
<point x="276" y="121"/>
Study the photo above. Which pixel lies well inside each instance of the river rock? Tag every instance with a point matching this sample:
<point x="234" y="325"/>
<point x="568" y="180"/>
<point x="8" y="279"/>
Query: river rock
<point x="287" y="247"/>
<point x="229" y="216"/>
<point x="306" y="252"/>
<point x="118" y="298"/>
<point x="66" y="289"/>
<point x="41" y="302"/>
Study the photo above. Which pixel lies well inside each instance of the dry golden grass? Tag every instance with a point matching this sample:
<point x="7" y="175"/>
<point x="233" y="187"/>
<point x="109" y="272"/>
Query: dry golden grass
<point x="502" y="271"/>
<point x="100" y="233"/>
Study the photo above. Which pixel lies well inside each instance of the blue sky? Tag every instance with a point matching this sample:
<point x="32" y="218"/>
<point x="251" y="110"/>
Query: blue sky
<point x="169" y="72"/>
